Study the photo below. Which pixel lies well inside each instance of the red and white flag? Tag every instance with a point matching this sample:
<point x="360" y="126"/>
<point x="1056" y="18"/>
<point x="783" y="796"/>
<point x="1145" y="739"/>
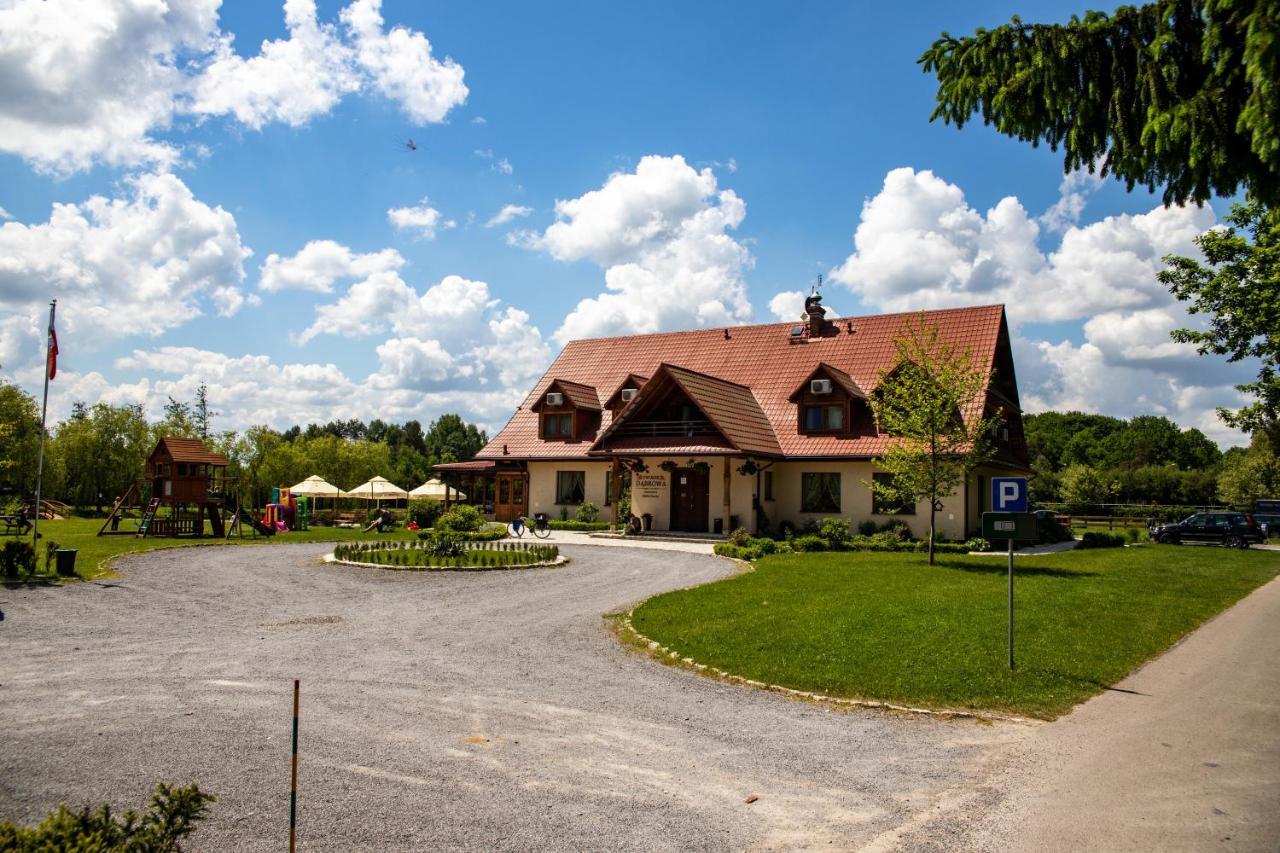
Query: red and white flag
<point x="53" y="352"/>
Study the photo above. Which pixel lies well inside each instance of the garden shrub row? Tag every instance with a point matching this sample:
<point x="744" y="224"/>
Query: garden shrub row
<point x="1102" y="539"/>
<point x="557" y="524"/>
<point x="446" y="551"/>
<point x="751" y="549"/>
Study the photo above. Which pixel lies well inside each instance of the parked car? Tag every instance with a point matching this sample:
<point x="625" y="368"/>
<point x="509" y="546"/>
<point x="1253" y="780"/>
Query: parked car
<point x="1050" y="515"/>
<point x="1232" y="529"/>
<point x="1268" y="523"/>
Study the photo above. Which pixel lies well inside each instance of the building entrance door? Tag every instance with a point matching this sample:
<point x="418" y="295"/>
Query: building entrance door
<point x="690" y="497"/>
<point x="508" y="503"/>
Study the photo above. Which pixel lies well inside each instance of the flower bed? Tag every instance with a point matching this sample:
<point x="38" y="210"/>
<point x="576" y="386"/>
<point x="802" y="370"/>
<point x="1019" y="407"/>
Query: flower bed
<point x="446" y="552"/>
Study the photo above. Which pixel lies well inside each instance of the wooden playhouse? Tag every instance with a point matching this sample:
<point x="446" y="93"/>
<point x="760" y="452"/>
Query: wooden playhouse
<point x="188" y="480"/>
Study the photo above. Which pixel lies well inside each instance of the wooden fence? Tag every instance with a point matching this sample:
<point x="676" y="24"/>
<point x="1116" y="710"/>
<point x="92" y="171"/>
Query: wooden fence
<point x="1108" y="522"/>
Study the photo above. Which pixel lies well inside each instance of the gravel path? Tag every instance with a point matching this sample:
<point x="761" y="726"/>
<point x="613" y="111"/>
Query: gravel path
<point x="441" y="710"/>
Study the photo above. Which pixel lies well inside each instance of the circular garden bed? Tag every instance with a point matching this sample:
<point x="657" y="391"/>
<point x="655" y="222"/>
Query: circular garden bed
<point x="448" y="553"/>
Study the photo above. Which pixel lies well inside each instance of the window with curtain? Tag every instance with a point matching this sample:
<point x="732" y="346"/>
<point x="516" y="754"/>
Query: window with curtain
<point x="823" y="418"/>
<point x="571" y="487"/>
<point x="820" y="492"/>
<point x="881" y="506"/>
<point x="557" y="426"/>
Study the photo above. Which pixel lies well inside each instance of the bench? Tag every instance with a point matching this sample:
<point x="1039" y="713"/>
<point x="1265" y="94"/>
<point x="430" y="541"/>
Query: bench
<point x="346" y="519"/>
<point x="17" y="525"/>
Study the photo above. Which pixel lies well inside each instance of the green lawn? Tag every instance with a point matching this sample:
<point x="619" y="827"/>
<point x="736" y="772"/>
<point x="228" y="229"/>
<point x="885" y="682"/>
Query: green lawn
<point x="97" y="551"/>
<point x="889" y="627"/>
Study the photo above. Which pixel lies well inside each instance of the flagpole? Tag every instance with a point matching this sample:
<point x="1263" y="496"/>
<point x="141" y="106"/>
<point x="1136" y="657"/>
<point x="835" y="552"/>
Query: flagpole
<point x="44" y="412"/>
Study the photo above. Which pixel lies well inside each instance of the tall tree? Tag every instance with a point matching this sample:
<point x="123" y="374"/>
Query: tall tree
<point x="1239" y="286"/>
<point x="201" y="414"/>
<point x="933" y="404"/>
<point x="1179" y="94"/>
<point x="449" y="439"/>
<point x="19" y="437"/>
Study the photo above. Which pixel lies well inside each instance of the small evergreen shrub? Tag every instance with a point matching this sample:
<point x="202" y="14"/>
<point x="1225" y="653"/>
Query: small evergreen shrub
<point x="739" y="536"/>
<point x="808" y="543"/>
<point x="463" y="518"/>
<point x="583" y="526"/>
<point x="18" y="557"/>
<point x="835" y="530"/>
<point x="867" y="528"/>
<point x="172" y="816"/>
<point x="588" y="512"/>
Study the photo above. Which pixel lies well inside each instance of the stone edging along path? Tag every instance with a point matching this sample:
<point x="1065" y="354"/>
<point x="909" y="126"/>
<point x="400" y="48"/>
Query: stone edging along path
<point x="671" y="657"/>
<point x="545" y="564"/>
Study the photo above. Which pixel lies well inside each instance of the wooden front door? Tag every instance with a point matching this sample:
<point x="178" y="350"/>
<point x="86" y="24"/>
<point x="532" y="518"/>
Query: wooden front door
<point x="509" y="503"/>
<point x="690" y="497"/>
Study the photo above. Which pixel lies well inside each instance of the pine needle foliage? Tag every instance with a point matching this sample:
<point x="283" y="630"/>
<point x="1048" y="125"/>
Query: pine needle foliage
<point x="1180" y="94"/>
<point x="933" y="405"/>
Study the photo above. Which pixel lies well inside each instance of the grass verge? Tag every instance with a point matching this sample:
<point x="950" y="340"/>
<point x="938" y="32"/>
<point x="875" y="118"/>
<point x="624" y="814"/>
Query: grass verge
<point x="887" y="627"/>
<point x="97" y="552"/>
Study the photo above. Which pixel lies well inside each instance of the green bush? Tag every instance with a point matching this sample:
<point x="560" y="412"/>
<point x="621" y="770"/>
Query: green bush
<point x="588" y="512"/>
<point x="1050" y="530"/>
<point x="18" y="557"/>
<point x="425" y="513"/>
<point x="1101" y="539"/>
<point x="835" y="530"/>
<point x="172" y="816"/>
<point x="1132" y="534"/>
<point x="463" y="518"/>
<point x="804" y="544"/>
<point x="898" y="528"/>
<point x="739" y="536"/>
<point x="867" y="528"/>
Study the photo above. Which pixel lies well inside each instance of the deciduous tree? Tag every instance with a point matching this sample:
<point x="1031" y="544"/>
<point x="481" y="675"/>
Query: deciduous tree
<point x="932" y="403"/>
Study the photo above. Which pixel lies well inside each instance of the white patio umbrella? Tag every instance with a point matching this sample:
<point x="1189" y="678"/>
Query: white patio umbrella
<point x="316" y="486"/>
<point x="434" y="490"/>
<point x="378" y="489"/>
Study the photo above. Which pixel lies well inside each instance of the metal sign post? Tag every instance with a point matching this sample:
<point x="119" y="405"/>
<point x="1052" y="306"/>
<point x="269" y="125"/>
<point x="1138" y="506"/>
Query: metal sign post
<point x="1009" y="526"/>
<point x="1011" y="666"/>
<point x="293" y="783"/>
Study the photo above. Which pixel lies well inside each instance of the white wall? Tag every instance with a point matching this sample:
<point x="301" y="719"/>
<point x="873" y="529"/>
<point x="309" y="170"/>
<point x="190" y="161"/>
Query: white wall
<point x="542" y="487"/>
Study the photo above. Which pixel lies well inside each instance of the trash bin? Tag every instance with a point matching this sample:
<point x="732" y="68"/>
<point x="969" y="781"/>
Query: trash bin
<point x="647" y="518"/>
<point x="66" y="560"/>
<point x="717" y="526"/>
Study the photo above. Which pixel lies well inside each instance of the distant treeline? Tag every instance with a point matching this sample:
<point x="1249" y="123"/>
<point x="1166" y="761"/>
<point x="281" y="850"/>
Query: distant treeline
<point x="93" y="456"/>
<point x="1085" y="460"/>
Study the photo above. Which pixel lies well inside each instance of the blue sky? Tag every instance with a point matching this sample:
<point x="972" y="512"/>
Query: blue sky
<point x="795" y="125"/>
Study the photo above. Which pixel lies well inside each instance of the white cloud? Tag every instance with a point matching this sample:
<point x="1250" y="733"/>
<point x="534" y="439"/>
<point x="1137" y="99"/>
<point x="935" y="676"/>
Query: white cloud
<point x="90" y="80"/>
<point x="660" y="232"/>
<point x="95" y="81"/>
<point x="4" y="214"/>
<point x="504" y="166"/>
<point x="479" y="120"/>
<point x="918" y="244"/>
<point x="320" y="263"/>
<point x="365" y="309"/>
<point x="402" y="66"/>
<point x="134" y="265"/>
<point x="507" y="214"/>
<point x="290" y="80"/>
<point x="423" y="219"/>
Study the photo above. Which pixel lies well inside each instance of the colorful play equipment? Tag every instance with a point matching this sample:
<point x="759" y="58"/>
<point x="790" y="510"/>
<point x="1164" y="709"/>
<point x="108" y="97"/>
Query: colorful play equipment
<point x="286" y="511"/>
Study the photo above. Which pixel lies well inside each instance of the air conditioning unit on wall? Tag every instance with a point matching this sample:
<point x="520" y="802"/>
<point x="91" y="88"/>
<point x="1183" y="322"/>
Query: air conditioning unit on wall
<point x="555" y="398"/>
<point x="629" y="394"/>
<point x="820" y="386"/>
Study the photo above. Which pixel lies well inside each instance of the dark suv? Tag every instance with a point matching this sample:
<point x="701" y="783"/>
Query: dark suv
<point x="1232" y="529"/>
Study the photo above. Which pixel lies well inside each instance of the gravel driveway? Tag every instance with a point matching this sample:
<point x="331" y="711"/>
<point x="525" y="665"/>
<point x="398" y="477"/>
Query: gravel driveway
<point x="440" y="710"/>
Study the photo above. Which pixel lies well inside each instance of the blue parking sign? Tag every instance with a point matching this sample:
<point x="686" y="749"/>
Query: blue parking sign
<point x="1009" y="494"/>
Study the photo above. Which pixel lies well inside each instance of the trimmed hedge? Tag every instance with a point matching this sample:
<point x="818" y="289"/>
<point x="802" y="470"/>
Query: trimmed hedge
<point x="1101" y="539"/>
<point x="446" y="552"/>
<point x="557" y="524"/>
<point x="491" y="532"/>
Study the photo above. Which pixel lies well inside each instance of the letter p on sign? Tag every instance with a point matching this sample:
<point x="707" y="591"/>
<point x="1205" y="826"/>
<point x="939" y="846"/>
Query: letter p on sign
<point x="1009" y="494"/>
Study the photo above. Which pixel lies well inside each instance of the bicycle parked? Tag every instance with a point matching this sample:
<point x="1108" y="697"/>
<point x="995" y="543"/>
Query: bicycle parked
<point x="538" y="526"/>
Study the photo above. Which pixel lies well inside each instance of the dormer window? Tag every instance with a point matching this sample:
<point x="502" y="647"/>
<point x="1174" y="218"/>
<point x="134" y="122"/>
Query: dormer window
<point x="827" y="418"/>
<point x="628" y="394"/>
<point x="567" y="411"/>
<point x="557" y="426"/>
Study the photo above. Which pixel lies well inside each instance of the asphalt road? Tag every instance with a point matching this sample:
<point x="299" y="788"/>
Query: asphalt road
<point x="485" y="711"/>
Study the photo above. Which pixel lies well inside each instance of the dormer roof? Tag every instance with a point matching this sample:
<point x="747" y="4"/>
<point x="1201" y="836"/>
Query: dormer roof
<point x="842" y="380"/>
<point x="576" y="394"/>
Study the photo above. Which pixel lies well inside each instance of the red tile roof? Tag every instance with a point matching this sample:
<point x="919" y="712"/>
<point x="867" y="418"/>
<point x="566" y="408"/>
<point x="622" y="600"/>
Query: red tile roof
<point x="581" y="396"/>
<point x="842" y="379"/>
<point x="762" y="358"/>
